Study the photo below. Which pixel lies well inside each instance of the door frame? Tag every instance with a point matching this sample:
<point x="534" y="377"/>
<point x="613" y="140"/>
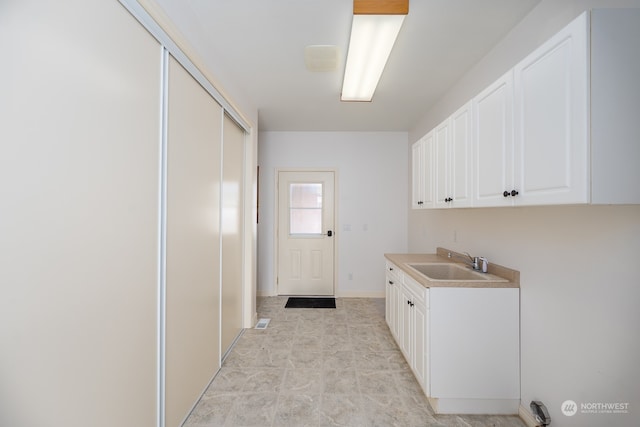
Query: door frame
<point x="276" y="220"/>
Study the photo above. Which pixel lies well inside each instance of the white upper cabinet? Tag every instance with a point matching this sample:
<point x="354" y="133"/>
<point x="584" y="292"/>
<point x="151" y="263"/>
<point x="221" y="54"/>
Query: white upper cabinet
<point x="531" y="127"/>
<point x="422" y="173"/>
<point x="560" y="127"/>
<point x="452" y="160"/>
<point x="460" y="162"/>
<point x="441" y="164"/>
<point x="551" y="145"/>
<point x="615" y="106"/>
<point x="493" y="148"/>
<point x="417" y="175"/>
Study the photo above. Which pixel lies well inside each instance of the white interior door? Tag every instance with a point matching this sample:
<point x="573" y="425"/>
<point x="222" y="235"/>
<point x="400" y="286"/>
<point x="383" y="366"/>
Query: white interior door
<point x="305" y="233"/>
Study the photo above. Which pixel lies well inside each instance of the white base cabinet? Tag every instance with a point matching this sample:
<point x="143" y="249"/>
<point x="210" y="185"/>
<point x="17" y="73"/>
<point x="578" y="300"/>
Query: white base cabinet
<point x="393" y="299"/>
<point x="474" y="350"/>
<point x="462" y="344"/>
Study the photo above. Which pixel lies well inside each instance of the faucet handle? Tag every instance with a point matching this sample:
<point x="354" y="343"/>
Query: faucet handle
<point x="485" y="264"/>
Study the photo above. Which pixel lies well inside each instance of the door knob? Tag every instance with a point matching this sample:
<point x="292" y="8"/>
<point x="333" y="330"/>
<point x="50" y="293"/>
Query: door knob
<point x="329" y="233"/>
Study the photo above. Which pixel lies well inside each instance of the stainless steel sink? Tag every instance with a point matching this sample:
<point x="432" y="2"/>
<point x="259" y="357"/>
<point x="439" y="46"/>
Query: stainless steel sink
<point x="452" y="272"/>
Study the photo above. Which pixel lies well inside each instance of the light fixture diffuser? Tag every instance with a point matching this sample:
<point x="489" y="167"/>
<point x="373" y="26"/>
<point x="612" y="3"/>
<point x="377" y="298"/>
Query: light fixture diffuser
<point x="374" y="30"/>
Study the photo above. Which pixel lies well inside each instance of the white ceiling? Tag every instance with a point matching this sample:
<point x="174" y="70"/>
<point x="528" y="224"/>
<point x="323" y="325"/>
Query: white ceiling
<point x="259" y="46"/>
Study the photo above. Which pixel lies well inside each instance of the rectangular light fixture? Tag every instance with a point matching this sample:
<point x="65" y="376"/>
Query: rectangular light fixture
<point x="374" y="31"/>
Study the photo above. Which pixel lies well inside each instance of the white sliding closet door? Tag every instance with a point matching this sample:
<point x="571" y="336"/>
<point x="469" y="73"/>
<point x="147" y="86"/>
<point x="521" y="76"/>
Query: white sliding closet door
<point x="193" y="242"/>
<point x="232" y="231"/>
<point x="79" y="156"/>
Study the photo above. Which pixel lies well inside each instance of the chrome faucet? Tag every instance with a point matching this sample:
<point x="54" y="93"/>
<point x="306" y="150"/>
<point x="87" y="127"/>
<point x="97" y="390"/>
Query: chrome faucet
<point x="474" y="261"/>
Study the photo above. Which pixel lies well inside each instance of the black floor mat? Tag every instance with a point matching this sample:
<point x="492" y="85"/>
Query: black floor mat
<point x="306" y="302"/>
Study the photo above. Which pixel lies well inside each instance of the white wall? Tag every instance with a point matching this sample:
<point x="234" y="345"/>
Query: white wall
<point x="372" y="191"/>
<point x="579" y="280"/>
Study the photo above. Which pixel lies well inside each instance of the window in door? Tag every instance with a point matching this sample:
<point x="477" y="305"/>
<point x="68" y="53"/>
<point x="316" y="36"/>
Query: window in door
<point x="305" y="208"/>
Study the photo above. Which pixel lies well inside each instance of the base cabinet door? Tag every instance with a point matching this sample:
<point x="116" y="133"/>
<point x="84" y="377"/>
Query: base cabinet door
<point x="420" y="360"/>
<point x="406" y="342"/>
<point x="393" y="278"/>
<point x="387" y="299"/>
<point x="414" y="338"/>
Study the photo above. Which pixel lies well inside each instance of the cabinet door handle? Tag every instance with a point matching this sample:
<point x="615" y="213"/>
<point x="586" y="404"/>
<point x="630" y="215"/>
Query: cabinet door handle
<point x="514" y="193"/>
<point x="506" y="194"/>
<point x="390" y="282"/>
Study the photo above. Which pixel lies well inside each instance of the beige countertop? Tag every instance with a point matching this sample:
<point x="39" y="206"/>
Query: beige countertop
<point x="505" y="277"/>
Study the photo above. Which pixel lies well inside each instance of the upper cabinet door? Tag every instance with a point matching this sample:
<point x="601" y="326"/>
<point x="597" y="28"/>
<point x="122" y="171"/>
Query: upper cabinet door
<point x="422" y="173"/>
<point x="493" y="151"/>
<point x="441" y="165"/>
<point x="460" y="157"/>
<point x="428" y="162"/>
<point x="551" y="151"/>
<point x="417" y="175"/>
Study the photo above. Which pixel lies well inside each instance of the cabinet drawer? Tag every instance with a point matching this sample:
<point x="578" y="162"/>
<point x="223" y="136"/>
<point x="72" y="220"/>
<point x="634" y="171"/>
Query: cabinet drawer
<point x="393" y="272"/>
<point x="419" y="292"/>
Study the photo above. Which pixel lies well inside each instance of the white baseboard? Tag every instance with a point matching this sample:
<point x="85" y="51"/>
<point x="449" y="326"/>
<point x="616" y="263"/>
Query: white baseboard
<point x="474" y="406"/>
<point x="360" y="294"/>
<point x="265" y="294"/>
<point x="340" y="294"/>
<point x="527" y="417"/>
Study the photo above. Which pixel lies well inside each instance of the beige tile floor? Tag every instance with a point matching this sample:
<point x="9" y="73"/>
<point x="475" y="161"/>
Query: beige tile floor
<point x="322" y="367"/>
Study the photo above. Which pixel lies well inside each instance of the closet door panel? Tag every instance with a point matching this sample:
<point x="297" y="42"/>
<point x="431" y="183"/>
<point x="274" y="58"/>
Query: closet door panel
<point x="232" y="232"/>
<point x="193" y="242"/>
<point x="80" y="132"/>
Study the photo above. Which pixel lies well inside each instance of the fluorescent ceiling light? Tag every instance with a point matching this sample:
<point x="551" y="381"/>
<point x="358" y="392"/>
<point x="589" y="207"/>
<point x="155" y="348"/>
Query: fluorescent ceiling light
<point x="372" y="38"/>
